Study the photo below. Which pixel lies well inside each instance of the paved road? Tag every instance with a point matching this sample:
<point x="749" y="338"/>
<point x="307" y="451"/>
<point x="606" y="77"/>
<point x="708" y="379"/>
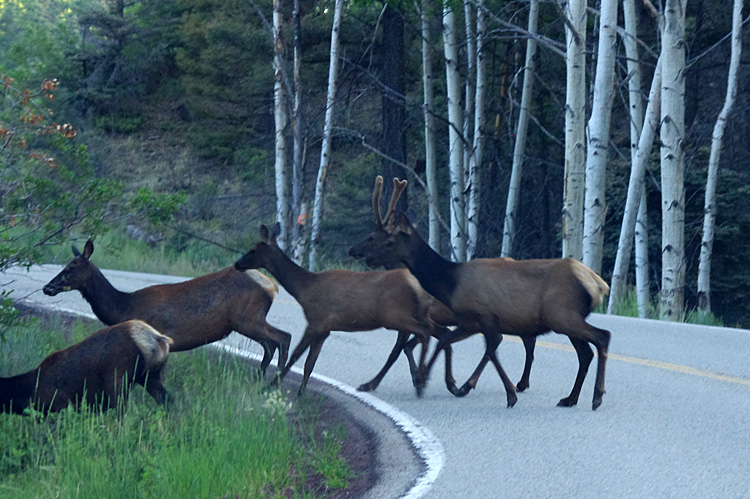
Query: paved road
<point x="675" y="421"/>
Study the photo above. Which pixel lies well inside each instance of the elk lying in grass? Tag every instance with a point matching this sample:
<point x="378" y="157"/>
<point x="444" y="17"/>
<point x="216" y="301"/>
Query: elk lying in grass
<point x="99" y="369"/>
<point x="439" y="313"/>
<point x="192" y="313"/>
<point x="504" y="296"/>
<point x="343" y="300"/>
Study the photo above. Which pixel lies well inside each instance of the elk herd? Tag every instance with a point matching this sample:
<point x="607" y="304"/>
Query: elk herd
<point x="419" y="294"/>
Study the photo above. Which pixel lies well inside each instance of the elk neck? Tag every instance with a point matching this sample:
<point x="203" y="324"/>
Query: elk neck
<point x="106" y="302"/>
<point x="437" y="275"/>
<point x="291" y="276"/>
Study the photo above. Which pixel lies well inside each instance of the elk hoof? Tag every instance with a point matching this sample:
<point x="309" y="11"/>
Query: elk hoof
<point x="464" y="390"/>
<point x="366" y="387"/>
<point x="522" y="386"/>
<point x="597" y="401"/>
<point x="512" y="399"/>
<point x="567" y="402"/>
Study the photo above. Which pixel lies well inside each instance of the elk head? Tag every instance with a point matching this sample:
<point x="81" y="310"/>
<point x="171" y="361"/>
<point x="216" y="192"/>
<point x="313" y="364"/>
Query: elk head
<point x="258" y="255"/>
<point x="394" y="248"/>
<point x="379" y="235"/>
<point x="75" y="275"/>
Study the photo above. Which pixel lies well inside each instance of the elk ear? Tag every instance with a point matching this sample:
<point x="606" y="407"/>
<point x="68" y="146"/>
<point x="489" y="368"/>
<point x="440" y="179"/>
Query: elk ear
<point x="264" y="233"/>
<point x="76" y="252"/>
<point x="88" y="249"/>
<point x="275" y="231"/>
<point x="403" y="224"/>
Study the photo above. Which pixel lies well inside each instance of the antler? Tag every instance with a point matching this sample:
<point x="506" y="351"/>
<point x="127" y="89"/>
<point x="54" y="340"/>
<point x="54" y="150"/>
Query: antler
<point x="376" y="200"/>
<point x="398" y="189"/>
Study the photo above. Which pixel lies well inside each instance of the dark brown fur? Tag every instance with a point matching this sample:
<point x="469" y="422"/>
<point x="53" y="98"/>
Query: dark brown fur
<point x="99" y="369"/>
<point x="192" y="313"/>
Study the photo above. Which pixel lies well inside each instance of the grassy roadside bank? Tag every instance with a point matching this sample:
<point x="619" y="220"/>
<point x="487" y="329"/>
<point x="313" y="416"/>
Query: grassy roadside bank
<point x="222" y="435"/>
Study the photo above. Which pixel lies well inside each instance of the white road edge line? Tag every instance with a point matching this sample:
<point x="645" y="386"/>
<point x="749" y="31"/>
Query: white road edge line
<point x="427" y="445"/>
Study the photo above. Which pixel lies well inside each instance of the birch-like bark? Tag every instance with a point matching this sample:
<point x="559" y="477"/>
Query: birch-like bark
<point x="280" y="122"/>
<point x="475" y="159"/>
<point x="429" y="131"/>
<point x="635" y="191"/>
<point x="630" y="40"/>
<point x="458" y="239"/>
<point x="469" y="99"/>
<point x="672" y="162"/>
<point x="709" y="209"/>
<point x="595" y="206"/>
<point x="298" y="217"/>
<point x="519" y="148"/>
<point x="325" y="150"/>
<point x="575" y="122"/>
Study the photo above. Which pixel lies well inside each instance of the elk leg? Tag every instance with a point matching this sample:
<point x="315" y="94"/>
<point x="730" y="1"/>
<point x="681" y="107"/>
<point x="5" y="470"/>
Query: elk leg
<point x="421" y="370"/>
<point x="312" y="357"/>
<point x="446" y="338"/>
<point x="529" y="342"/>
<point x="493" y="342"/>
<point x="155" y="388"/>
<point x="585" y="354"/>
<point x="397" y="348"/>
<point x="471" y="383"/>
<point x="602" y="347"/>
<point x="283" y="340"/>
<point x="269" y="348"/>
<point x="307" y="338"/>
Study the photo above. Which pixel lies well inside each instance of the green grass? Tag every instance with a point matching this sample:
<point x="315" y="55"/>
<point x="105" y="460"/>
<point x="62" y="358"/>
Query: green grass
<point x="221" y="435"/>
<point x="629" y="308"/>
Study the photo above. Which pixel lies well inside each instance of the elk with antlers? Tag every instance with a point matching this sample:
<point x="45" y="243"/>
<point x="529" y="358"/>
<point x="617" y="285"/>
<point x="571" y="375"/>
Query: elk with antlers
<point x="503" y="296"/>
<point x="344" y="300"/>
<point x="192" y="313"/>
<point x="439" y="313"/>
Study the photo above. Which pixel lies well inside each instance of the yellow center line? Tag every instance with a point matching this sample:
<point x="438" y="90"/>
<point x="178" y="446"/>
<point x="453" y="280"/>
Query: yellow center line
<point x="651" y="363"/>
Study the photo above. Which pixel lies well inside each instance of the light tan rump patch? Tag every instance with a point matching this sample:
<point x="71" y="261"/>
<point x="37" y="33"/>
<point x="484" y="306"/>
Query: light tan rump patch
<point x="594" y="284"/>
<point x="264" y="282"/>
<point x="153" y="344"/>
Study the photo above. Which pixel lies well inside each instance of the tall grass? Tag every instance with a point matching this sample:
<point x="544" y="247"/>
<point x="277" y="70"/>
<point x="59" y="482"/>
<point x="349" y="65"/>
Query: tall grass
<point x="628" y="307"/>
<point x="221" y="435"/>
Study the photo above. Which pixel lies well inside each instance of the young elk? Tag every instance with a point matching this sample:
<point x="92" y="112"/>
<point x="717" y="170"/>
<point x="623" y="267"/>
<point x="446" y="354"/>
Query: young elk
<point x="439" y="313"/>
<point x="192" y="313"/>
<point x="504" y="296"/>
<point x="343" y="300"/>
<point x="99" y="369"/>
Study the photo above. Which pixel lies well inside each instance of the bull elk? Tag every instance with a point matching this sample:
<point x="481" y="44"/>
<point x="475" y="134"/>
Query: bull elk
<point x="98" y="370"/>
<point x="344" y="300"/>
<point x="192" y="313"/>
<point x="503" y="296"/>
<point x="439" y="313"/>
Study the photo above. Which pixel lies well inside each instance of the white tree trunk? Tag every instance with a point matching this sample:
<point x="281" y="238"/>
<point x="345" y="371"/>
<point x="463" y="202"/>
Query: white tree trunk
<point x="458" y="239"/>
<point x="575" y="122"/>
<point x="429" y="132"/>
<point x="636" y="124"/>
<point x="325" y="150"/>
<point x="642" y="278"/>
<point x="469" y="97"/>
<point x="297" y="239"/>
<point x="519" y="149"/>
<point x="672" y="162"/>
<point x="709" y="209"/>
<point x="595" y="207"/>
<point x="475" y="159"/>
<point x="635" y="192"/>
<point x="280" y="121"/>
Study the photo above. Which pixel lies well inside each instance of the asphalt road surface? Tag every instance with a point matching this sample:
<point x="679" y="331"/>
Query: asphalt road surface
<point x="675" y="421"/>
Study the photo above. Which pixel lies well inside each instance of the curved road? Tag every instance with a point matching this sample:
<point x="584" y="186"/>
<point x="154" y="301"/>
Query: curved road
<point x="675" y="421"/>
